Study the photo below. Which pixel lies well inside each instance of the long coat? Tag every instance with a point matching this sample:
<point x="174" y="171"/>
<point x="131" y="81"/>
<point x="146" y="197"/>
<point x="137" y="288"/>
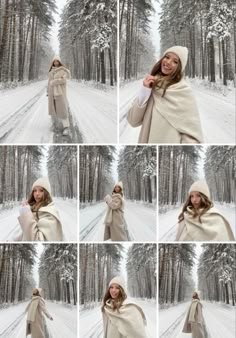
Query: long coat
<point x="173" y="118"/>
<point x="114" y="220"/>
<point x="213" y="227"/>
<point x="194" y="322"/>
<point x="57" y="96"/>
<point x="46" y="228"/>
<point x="129" y="322"/>
<point x="36" y="323"/>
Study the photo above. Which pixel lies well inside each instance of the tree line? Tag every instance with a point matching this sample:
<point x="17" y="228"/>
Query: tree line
<point x="217" y="273"/>
<point x="58" y="272"/>
<point x="24" y="34"/>
<point x="88" y="39"/>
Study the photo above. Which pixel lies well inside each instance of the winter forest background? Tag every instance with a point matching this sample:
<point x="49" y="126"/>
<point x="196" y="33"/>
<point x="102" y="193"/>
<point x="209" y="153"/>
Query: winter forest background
<point x="52" y="267"/>
<point x="209" y="269"/>
<point x="99" y="263"/>
<point x="180" y="166"/>
<point x="20" y="166"/>
<point x="100" y="168"/>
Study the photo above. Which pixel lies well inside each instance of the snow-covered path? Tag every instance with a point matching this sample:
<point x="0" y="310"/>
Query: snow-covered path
<point x="64" y="324"/>
<point x="91" y="320"/>
<point x="217" y="113"/>
<point x="140" y="220"/>
<point x="24" y="115"/>
<point x="168" y="226"/>
<point x="219" y="318"/>
<point x="9" y="226"/>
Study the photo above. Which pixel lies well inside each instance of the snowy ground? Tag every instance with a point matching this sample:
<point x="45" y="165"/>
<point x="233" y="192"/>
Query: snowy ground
<point x="24" y="115"/>
<point x="64" y="324"/>
<point x="168" y="221"/>
<point x="140" y="220"/>
<point x="219" y="318"/>
<point x="217" y="113"/>
<point x="91" y="320"/>
<point x="10" y="228"/>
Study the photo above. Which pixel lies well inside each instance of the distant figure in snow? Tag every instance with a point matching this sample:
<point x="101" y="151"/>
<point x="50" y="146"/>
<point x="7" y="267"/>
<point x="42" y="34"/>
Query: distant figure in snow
<point x="57" y="98"/>
<point x="39" y="219"/>
<point x="121" y="316"/>
<point x="194" y="322"/>
<point x="200" y="220"/>
<point x="114" y="219"/>
<point x="36" y="323"/>
<point x="165" y="107"/>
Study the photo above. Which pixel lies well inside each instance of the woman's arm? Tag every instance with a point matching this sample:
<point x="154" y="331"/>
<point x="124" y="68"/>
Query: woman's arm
<point x="44" y="310"/>
<point x="56" y="82"/>
<point x="181" y="226"/>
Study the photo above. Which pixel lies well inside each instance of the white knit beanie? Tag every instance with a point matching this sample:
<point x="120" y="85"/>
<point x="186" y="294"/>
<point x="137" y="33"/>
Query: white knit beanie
<point x="182" y="53"/>
<point x="200" y="186"/>
<point x="120" y="184"/>
<point x="120" y="281"/>
<point x="56" y="57"/>
<point x="42" y="182"/>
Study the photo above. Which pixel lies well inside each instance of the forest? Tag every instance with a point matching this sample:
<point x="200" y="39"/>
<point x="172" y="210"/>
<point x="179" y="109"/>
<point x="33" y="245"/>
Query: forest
<point x="208" y="29"/>
<point x="88" y="39"/>
<point x="178" y="169"/>
<point x="136" y="169"/>
<point x="136" y="48"/>
<point x="20" y="166"/>
<point x="99" y="263"/>
<point x="24" y="39"/>
<point x="175" y="266"/>
<point x="217" y="273"/>
<point x="57" y="272"/>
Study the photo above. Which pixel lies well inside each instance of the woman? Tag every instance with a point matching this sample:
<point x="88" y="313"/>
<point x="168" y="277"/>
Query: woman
<point x="200" y="220"/>
<point x="39" y="219"/>
<point x="114" y="220"/>
<point x="36" y="323"/>
<point x="166" y="108"/>
<point x="57" y="98"/>
<point x="121" y="317"/>
<point x="194" y="322"/>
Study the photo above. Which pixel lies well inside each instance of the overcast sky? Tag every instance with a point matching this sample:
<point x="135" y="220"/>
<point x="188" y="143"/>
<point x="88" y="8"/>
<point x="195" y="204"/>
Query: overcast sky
<point x="39" y="249"/>
<point x="55" y="28"/>
<point x="198" y="250"/>
<point x="155" y="27"/>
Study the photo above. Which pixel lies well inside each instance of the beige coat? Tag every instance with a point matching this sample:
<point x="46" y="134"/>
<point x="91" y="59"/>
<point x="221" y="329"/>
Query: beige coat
<point x="36" y="324"/>
<point x="129" y="322"/>
<point x="173" y="118"/>
<point x="57" y="97"/>
<point x="114" y="220"/>
<point x="194" y="322"/>
<point x="214" y="227"/>
<point x="47" y="228"/>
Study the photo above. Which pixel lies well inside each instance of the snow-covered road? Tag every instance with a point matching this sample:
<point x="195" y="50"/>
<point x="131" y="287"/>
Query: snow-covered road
<point x="91" y="320"/>
<point x="168" y="225"/>
<point x="10" y="228"/>
<point x="217" y="113"/>
<point x="24" y="115"/>
<point x="64" y="324"/>
<point x="219" y="318"/>
<point x="140" y="220"/>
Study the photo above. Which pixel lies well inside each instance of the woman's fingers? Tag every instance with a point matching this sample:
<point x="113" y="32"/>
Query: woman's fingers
<point x="148" y="81"/>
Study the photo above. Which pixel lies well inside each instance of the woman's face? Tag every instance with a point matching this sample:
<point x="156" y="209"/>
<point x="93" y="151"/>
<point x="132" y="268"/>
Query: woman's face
<point x="38" y="193"/>
<point x="117" y="188"/>
<point x="195" y="199"/>
<point x="169" y="64"/>
<point x="114" y="291"/>
<point x="56" y="63"/>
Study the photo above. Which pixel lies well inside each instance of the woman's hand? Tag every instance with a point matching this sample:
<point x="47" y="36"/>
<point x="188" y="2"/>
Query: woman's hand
<point x="25" y="203"/>
<point x="51" y="318"/>
<point x="148" y="81"/>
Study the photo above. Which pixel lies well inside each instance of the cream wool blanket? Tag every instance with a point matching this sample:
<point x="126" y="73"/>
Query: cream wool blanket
<point x="175" y="117"/>
<point x="214" y="227"/>
<point x="32" y="308"/>
<point x="58" y="78"/>
<point x="129" y="322"/>
<point x="192" y="312"/>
